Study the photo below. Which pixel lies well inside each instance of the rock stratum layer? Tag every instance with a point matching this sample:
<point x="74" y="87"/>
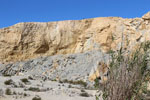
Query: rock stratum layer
<point x="31" y="40"/>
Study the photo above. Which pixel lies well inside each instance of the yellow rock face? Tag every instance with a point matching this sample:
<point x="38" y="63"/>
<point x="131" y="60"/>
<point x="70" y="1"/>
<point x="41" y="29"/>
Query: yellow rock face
<point x="30" y="40"/>
<point x="100" y="70"/>
<point x="146" y="16"/>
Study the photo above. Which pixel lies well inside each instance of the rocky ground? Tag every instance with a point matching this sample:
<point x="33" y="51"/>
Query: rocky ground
<point x="60" y="67"/>
<point x="26" y="88"/>
<point x="61" y="77"/>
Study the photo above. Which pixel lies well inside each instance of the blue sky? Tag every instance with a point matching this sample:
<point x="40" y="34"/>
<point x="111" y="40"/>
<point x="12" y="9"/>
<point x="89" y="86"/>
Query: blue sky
<point x="15" y="11"/>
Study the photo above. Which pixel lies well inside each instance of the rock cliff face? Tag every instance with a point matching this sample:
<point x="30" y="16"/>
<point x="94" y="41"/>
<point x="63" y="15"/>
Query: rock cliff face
<point x="30" y="40"/>
<point x="56" y="56"/>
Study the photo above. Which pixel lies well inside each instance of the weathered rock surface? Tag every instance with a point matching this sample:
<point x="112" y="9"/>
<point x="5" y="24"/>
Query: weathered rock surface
<point x="146" y="16"/>
<point x="31" y="40"/>
<point x="73" y="67"/>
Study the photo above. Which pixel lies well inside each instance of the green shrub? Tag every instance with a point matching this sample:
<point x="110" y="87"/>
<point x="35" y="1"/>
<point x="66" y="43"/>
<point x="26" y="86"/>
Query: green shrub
<point x="84" y="94"/>
<point x="14" y="93"/>
<point x="36" y="98"/>
<point x="96" y="83"/>
<point x="79" y="82"/>
<point x="34" y="89"/>
<point x="6" y="75"/>
<point x="82" y="90"/>
<point x="24" y="94"/>
<point x="127" y="73"/>
<point x="8" y="82"/>
<point x="24" y="80"/>
<point x="8" y="91"/>
<point x="69" y="86"/>
<point x="30" y="77"/>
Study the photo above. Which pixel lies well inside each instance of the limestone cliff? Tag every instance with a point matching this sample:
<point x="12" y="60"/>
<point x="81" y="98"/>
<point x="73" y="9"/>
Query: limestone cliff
<point x="33" y="39"/>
